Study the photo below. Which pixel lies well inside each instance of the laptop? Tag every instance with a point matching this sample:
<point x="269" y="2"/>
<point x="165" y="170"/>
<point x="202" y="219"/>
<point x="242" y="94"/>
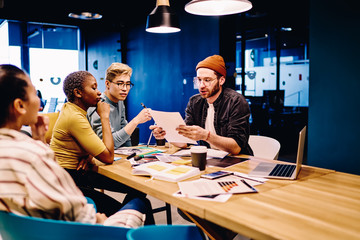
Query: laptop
<point x="279" y="170"/>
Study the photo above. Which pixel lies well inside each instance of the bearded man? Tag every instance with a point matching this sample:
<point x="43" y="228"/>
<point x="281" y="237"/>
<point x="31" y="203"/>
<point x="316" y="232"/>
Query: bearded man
<point x="217" y="117"/>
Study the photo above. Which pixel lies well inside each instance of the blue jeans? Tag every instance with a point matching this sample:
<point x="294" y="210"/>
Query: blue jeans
<point x="135" y="204"/>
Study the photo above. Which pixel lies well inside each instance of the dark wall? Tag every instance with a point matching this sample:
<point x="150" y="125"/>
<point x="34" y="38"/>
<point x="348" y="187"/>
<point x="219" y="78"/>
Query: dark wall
<point x="334" y="116"/>
<point x="164" y="65"/>
<point x="102" y="51"/>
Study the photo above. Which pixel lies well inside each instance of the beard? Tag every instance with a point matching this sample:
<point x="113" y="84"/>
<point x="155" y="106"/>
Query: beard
<point x="213" y="91"/>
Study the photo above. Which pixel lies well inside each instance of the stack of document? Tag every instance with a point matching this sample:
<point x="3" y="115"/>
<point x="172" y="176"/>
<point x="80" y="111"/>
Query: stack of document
<point x="219" y="190"/>
<point x="211" y="187"/>
<point x="140" y="150"/>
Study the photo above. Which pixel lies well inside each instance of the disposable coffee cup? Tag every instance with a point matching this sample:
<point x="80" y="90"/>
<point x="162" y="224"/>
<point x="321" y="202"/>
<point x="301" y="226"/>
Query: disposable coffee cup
<point x="198" y="156"/>
<point x="160" y="142"/>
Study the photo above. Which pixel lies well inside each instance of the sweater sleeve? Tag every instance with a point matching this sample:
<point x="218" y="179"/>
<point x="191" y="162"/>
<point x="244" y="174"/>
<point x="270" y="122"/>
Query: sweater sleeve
<point x="121" y="138"/>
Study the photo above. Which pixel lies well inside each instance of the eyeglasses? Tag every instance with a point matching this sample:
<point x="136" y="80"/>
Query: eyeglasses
<point x="207" y="81"/>
<point x="128" y="85"/>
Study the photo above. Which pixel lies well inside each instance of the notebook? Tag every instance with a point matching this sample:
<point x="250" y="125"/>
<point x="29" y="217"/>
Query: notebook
<point x="279" y="170"/>
<point x="165" y="171"/>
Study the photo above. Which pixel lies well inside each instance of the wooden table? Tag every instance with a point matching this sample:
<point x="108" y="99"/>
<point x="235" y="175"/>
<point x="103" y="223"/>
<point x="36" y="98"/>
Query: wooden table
<point x="320" y="204"/>
<point x="324" y="207"/>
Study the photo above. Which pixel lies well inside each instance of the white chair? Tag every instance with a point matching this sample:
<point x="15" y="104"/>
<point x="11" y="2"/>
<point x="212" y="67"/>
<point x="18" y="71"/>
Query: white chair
<point x="264" y="147"/>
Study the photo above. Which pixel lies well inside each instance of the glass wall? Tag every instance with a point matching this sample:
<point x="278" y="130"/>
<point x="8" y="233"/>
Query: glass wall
<point x="276" y="82"/>
<point x="48" y="52"/>
<point x="261" y="65"/>
<point x="260" y="68"/>
<point x="8" y="54"/>
<point x="48" y="68"/>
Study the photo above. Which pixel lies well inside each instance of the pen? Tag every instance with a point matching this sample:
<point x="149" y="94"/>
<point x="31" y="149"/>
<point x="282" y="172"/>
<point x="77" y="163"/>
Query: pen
<point x="102" y="100"/>
<point x="251" y="187"/>
<point x="131" y="155"/>
<point x="150" y="156"/>
<point x="147" y="145"/>
<point x="149" y="139"/>
<point x="251" y="179"/>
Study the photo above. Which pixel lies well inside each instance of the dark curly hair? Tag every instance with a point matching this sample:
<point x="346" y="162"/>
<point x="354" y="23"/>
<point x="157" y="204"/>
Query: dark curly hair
<point x="12" y="86"/>
<point x="72" y="81"/>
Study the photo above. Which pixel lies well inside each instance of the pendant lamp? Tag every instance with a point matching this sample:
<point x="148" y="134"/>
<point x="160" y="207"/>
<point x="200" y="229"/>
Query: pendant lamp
<point x="162" y="19"/>
<point x="217" y="7"/>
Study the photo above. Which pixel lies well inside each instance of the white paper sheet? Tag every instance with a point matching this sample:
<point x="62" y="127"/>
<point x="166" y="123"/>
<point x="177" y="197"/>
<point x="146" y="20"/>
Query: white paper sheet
<point x="213" y="187"/>
<point x="215" y="198"/>
<point x="169" y="121"/>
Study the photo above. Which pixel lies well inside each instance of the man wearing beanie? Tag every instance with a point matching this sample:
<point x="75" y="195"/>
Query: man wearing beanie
<point x="217" y="117"/>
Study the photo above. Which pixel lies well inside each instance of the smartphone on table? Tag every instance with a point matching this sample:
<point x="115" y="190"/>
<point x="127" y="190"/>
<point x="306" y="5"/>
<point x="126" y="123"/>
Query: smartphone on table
<point x="215" y="175"/>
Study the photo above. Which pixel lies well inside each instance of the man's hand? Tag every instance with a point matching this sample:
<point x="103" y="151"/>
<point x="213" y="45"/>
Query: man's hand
<point x="39" y="129"/>
<point x="143" y="116"/>
<point x="158" y="132"/>
<point x="193" y="132"/>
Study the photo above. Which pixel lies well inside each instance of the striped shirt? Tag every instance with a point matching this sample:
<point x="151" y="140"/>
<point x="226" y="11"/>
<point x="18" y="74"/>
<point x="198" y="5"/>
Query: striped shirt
<point x="33" y="184"/>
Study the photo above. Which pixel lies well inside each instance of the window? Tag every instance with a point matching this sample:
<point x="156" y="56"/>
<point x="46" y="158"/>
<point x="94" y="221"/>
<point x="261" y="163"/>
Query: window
<point x="261" y="57"/>
<point x="8" y="54"/>
<point x="48" y="52"/>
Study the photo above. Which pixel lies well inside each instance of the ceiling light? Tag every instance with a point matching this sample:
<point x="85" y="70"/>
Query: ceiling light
<point x="162" y="19"/>
<point x="217" y="7"/>
<point x="85" y="16"/>
<point x="286" y="29"/>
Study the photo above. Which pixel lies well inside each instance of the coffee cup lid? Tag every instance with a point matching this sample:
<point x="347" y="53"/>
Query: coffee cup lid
<point x="198" y="149"/>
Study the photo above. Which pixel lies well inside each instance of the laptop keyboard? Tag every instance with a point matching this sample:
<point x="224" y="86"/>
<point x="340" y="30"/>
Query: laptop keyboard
<point x="283" y="170"/>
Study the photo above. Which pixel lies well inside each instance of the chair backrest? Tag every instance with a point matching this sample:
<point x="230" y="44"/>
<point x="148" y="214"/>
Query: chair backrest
<point x="53" y="118"/>
<point x="264" y="147"/>
<point x="15" y="227"/>
<point x="162" y="232"/>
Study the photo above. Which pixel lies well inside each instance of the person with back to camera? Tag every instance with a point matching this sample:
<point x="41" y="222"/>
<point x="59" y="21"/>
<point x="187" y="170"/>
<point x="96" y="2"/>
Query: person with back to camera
<point x="32" y="182"/>
<point x="217" y="117"/>
<point x="75" y="143"/>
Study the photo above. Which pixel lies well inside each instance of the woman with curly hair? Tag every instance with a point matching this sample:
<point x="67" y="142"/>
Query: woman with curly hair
<point x="75" y="143"/>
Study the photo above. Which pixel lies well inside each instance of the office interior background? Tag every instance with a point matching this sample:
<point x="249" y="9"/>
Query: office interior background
<point x="295" y="62"/>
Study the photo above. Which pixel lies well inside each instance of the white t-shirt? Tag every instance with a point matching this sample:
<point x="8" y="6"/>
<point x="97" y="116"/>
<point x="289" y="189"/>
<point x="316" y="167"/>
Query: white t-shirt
<point x="209" y="122"/>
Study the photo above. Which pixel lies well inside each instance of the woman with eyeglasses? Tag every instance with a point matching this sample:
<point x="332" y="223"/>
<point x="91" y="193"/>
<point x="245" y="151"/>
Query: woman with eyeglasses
<point x="75" y="143"/>
<point x="118" y="86"/>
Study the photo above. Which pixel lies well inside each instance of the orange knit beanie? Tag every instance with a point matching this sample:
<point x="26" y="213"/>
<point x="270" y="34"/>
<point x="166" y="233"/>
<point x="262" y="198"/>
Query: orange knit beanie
<point x="214" y="62"/>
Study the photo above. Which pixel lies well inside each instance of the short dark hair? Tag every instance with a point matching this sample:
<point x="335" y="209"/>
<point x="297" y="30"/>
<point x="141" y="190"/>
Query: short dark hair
<point x="72" y="81"/>
<point x="12" y="86"/>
